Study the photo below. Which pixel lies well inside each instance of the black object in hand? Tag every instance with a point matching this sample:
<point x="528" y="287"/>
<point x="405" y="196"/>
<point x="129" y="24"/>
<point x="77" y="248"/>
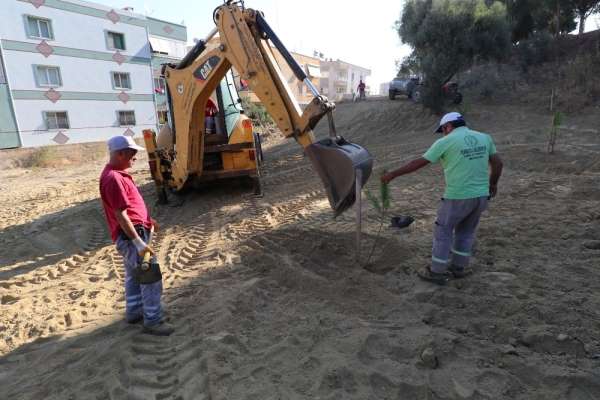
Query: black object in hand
<point x="147" y="272"/>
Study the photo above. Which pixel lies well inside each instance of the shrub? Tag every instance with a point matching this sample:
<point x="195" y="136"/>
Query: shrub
<point x="535" y="50"/>
<point x="41" y="157"/>
<point x="257" y="112"/>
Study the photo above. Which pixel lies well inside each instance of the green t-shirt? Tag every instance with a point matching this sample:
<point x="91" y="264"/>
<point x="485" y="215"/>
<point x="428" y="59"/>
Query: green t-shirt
<point x="464" y="155"/>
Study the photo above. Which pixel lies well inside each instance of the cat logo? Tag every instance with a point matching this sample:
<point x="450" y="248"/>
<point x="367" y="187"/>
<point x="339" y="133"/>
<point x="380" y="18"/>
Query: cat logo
<point x="180" y="88"/>
<point x="203" y="72"/>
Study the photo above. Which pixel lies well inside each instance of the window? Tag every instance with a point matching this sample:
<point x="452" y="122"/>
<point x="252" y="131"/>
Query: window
<point x="56" y="120"/>
<point x="160" y="46"/>
<point x="159" y="85"/>
<point x="39" y="28"/>
<point x="121" y="80"/>
<point x="126" y="118"/>
<point x="115" y="41"/>
<point x="46" y="76"/>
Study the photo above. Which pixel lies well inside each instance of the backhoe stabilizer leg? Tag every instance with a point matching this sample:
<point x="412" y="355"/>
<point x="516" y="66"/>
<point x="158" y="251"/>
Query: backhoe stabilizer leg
<point x="155" y="165"/>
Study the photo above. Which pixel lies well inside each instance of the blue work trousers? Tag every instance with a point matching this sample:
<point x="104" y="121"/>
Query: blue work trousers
<point x="140" y="300"/>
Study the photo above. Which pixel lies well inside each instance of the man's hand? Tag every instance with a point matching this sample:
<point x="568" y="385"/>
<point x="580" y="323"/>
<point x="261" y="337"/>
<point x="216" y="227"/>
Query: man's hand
<point x="405" y="169"/>
<point x="141" y="247"/>
<point x="493" y="191"/>
<point x="155" y="224"/>
<point x="147" y="249"/>
<point x="386" y="178"/>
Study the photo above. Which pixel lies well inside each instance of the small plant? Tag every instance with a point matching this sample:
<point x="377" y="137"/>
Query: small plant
<point x="554" y="131"/>
<point x="381" y="204"/>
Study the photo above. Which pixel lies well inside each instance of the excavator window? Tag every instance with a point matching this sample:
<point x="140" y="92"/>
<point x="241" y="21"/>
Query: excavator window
<point x="230" y="102"/>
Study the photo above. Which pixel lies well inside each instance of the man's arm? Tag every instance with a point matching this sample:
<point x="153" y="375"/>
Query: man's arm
<point x="496" y="165"/>
<point x="127" y="227"/>
<point x="405" y="169"/>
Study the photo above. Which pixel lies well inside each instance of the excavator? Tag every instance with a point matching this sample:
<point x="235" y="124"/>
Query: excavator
<point x="189" y="149"/>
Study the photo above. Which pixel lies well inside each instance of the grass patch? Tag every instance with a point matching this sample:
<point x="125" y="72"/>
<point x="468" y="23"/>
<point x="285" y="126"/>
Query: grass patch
<point x="42" y="157"/>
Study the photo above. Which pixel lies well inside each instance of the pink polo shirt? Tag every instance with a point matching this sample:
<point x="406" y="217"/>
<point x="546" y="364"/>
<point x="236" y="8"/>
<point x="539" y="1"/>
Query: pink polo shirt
<point x="118" y="192"/>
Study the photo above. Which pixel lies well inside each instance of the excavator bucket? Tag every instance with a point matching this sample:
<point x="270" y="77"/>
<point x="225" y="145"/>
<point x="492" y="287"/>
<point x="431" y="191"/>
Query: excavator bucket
<point x="336" y="161"/>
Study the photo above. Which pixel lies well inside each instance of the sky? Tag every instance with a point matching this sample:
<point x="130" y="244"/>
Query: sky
<point x="340" y="29"/>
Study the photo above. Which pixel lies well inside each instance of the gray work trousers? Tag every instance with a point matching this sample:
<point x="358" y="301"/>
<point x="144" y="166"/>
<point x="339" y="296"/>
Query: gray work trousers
<point x="454" y="232"/>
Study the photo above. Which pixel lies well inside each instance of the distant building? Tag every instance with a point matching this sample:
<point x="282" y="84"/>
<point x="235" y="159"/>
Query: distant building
<point x="72" y="71"/>
<point x="344" y="86"/>
<point x="339" y="79"/>
<point x="310" y="66"/>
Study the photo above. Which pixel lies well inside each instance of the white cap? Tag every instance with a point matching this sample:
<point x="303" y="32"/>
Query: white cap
<point x="117" y="143"/>
<point x="450" y="117"/>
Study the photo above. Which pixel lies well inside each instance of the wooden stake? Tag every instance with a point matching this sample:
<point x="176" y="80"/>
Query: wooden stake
<point x="358" y="185"/>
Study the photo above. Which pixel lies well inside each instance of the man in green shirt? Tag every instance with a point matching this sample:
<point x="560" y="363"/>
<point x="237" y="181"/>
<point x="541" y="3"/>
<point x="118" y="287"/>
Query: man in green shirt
<point x="464" y="155"/>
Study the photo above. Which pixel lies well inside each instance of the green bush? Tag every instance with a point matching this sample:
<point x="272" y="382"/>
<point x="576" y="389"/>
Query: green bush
<point x="41" y="157"/>
<point x="257" y="112"/>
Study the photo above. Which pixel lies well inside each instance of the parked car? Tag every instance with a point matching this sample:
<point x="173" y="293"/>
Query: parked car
<point x="411" y="87"/>
<point x="408" y="87"/>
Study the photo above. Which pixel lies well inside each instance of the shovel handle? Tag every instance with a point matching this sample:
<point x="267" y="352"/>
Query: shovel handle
<point x="146" y="258"/>
<point x="147" y="254"/>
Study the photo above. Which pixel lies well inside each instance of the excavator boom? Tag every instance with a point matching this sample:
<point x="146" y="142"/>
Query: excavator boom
<point x="244" y="43"/>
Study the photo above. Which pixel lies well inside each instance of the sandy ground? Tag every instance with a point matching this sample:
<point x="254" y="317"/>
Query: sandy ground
<point x="269" y="303"/>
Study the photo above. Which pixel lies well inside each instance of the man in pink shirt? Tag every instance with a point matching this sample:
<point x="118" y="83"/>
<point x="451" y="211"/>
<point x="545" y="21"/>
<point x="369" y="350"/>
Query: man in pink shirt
<point x="130" y="228"/>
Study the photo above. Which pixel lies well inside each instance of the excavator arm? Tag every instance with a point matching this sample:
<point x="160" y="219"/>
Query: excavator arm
<point x="243" y="43"/>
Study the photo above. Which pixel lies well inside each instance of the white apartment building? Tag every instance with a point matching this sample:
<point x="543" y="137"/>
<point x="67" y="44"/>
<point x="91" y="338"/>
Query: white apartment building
<point x="73" y="71"/>
<point x="339" y="79"/>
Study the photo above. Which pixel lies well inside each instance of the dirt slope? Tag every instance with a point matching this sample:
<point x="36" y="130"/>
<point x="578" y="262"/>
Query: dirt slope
<point x="269" y="303"/>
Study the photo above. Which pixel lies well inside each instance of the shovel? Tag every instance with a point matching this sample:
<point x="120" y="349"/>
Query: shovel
<point x="148" y="270"/>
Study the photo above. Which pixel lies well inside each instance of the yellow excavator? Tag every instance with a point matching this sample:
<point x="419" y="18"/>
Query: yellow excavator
<point x="190" y="150"/>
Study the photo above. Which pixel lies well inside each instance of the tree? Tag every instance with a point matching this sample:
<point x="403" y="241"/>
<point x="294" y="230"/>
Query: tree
<point x="449" y="35"/>
<point x="584" y="9"/>
<point x="409" y="66"/>
<point x="529" y="16"/>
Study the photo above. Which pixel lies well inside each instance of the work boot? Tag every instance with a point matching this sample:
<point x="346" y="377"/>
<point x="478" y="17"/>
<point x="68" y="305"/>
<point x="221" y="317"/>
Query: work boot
<point x="160" y="329"/>
<point x="435" y="277"/>
<point x="459" y="272"/>
<point x="135" y="320"/>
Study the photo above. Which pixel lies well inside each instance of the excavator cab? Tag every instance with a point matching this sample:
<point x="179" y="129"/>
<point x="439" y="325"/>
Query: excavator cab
<point x="191" y="153"/>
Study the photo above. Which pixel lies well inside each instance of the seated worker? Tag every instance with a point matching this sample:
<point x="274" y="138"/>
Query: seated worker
<point x="210" y="111"/>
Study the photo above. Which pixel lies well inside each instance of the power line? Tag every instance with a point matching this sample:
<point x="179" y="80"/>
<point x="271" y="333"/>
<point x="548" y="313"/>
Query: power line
<point x="77" y="128"/>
